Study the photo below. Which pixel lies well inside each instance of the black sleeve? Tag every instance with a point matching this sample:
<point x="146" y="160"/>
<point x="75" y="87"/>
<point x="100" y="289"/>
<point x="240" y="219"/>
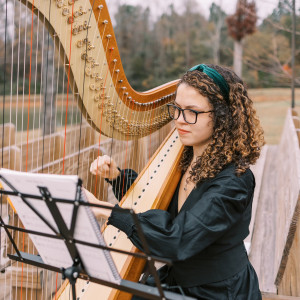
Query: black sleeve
<point x="123" y="182"/>
<point x="214" y="213"/>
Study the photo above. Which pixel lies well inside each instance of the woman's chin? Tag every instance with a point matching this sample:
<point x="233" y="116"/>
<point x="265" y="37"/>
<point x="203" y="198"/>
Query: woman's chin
<point x="185" y="141"/>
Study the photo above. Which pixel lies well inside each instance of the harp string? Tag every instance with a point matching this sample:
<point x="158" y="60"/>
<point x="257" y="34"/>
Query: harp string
<point x="68" y="85"/>
<point x="53" y="97"/>
<point x="66" y="116"/>
<point x="46" y="88"/>
<point x="115" y="108"/>
<point x="83" y="92"/>
<point x="42" y="94"/>
<point x="18" y="71"/>
<point x="40" y="106"/>
<point x="2" y="234"/>
<point x="23" y="108"/>
<point x="9" y="279"/>
<point x="35" y="89"/>
<point x="4" y="89"/>
<point x="53" y="103"/>
<point x="29" y="85"/>
<point x="28" y="117"/>
<point x="2" y="146"/>
<point x="127" y="145"/>
<point x="100" y="125"/>
<point x="84" y="68"/>
<point x="63" y="89"/>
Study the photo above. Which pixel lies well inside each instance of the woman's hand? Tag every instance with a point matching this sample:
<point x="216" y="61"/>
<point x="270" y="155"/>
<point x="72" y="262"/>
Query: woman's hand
<point x="105" y="167"/>
<point x="99" y="212"/>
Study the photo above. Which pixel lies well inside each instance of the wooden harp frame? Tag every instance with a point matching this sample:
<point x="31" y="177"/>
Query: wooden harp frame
<point x="153" y="189"/>
<point x="103" y="92"/>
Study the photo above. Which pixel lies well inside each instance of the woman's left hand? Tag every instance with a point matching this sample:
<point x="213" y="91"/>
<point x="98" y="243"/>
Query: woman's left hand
<point x="99" y="212"/>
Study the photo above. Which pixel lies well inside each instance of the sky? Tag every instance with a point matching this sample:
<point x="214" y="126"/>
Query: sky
<point x="264" y="7"/>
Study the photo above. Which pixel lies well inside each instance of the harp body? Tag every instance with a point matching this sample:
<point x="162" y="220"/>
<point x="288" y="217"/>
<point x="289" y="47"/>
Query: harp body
<point x="84" y="38"/>
<point x="153" y="188"/>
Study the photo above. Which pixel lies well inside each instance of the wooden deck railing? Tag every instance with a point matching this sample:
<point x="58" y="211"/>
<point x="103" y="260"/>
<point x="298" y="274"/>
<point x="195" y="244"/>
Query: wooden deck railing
<point x="275" y="251"/>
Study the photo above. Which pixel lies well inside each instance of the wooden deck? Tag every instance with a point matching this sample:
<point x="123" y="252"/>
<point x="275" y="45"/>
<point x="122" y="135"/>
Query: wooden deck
<point x="258" y="171"/>
<point x="270" y="296"/>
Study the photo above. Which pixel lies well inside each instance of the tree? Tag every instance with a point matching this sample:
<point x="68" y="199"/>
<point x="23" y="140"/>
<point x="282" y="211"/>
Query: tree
<point x="242" y="23"/>
<point x="268" y="51"/>
<point x="217" y="17"/>
<point x="133" y="35"/>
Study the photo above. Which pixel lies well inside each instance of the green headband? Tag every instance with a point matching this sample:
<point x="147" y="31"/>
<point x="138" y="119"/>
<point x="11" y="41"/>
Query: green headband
<point x="216" y="77"/>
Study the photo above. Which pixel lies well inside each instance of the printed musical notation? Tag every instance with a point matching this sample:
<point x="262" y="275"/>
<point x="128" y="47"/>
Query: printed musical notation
<point x="97" y="262"/>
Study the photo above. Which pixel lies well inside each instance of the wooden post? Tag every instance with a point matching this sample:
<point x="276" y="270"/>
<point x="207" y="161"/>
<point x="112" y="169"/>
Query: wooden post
<point x="49" y="89"/>
<point x="293" y="53"/>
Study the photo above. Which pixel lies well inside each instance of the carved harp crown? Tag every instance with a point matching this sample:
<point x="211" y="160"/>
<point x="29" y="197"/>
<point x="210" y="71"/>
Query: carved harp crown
<point x="84" y="33"/>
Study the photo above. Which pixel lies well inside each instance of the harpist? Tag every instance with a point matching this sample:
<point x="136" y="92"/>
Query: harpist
<point x="203" y="230"/>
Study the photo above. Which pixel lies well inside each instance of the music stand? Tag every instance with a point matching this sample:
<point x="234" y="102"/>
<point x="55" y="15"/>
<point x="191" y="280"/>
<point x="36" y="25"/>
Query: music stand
<point x="51" y="211"/>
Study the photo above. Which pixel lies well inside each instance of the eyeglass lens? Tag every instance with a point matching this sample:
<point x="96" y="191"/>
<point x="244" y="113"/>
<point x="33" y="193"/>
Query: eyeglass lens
<point x="188" y="115"/>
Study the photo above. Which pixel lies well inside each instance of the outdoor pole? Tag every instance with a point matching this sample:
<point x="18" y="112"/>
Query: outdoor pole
<point x="293" y="54"/>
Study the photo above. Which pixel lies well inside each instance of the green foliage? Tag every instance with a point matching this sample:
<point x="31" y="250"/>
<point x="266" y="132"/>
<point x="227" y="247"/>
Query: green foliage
<point x="156" y="52"/>
<point x="216" y="13"/>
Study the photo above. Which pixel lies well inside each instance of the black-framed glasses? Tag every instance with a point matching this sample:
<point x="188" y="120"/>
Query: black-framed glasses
<point x="189" y="115"/>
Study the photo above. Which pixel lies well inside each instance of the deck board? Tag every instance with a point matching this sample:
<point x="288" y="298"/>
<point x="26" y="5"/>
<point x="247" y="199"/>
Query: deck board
<point x="262" y="254"/>
<point x="258" y="171"/>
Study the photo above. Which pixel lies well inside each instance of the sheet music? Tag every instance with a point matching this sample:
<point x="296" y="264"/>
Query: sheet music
<point x="97" y="263"/>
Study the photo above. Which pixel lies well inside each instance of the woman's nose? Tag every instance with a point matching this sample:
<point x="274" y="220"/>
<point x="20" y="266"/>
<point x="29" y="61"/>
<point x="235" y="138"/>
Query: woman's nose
<point x="181" y="118"/>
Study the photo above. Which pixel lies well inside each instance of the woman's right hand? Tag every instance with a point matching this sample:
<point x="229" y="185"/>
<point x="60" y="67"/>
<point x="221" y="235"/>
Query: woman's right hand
<point x="105" y="167"/>
<point x="98" y="211"/>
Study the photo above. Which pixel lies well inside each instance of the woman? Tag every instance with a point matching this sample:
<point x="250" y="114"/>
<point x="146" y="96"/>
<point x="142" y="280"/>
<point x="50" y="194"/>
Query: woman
<point x="208" y="218"/>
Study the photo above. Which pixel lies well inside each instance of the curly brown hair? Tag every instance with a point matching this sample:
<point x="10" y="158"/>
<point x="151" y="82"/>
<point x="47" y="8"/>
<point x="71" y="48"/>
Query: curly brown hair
<point x="237" y="135"/>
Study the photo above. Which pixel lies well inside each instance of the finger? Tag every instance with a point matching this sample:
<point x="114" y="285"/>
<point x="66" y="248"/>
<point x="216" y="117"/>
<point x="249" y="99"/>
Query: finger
<point x="98" y="163"/>
<point x="93" y="164"/>
<point x="92" y="168"/>
<point x="105" y="168"/>
<point x="113" y="164"/>
<point x="107" y="159"/>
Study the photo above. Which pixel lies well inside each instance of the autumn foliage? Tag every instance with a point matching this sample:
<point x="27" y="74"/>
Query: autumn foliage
<point x="243" y="22"/>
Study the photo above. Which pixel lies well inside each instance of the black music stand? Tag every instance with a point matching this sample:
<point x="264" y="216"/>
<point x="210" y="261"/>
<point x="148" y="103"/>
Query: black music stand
<point x="61" y="232"/>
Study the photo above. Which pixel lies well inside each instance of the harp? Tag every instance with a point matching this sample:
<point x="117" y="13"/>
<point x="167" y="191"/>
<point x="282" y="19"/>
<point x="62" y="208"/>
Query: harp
<point x="61" y="125"/>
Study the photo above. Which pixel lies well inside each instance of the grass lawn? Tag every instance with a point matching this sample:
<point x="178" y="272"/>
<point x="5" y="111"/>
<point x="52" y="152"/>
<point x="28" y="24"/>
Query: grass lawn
<point x="271" y="106"/>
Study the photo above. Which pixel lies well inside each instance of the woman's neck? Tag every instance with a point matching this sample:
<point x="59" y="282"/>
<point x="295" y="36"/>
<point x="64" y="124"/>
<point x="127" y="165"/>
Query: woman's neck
<point x="198" y="151"/>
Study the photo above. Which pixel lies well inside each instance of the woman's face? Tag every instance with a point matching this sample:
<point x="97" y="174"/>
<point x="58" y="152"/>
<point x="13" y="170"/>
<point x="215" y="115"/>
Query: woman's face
<point x="199" y="134"/>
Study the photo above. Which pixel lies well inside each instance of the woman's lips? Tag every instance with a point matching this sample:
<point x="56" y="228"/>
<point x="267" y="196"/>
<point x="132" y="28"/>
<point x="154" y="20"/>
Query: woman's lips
<point x="181" y="131"/>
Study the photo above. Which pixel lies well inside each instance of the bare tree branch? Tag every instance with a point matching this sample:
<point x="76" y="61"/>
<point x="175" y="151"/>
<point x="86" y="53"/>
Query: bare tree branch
<point x="278" y="26"/>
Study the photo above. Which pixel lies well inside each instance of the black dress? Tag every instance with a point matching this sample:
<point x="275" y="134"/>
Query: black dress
<point x="204" y="240"/>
